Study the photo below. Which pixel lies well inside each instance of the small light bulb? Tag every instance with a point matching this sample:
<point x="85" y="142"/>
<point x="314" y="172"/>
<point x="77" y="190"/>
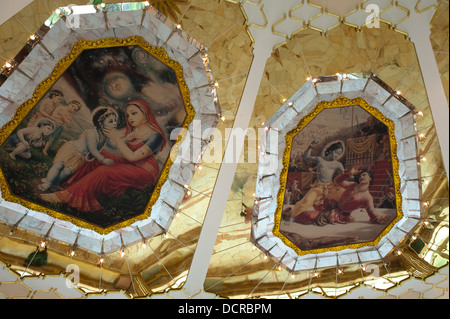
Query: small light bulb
<point x="223" y="118"/>
<point x="166" y="235"/>
<point x="308" y="78"/>
<point x="398" y="93"/>
<point x="399" y="252"/>
<point x="122" y="253"/>
<point x="284" y="100"/>
<point x="144" y="244"/>
<point x="72" y="253"/>
<point x="32" y="37"/>
<point x="8" y="65"/>
<point x="102" y="5"/>
<point x="265" y="257"/>
<point x="58" y="11"/>
<point x="420" y="113"/>
<point x="146" y="3"/>
<point x="101" y="260"/>
<point x="292" y="276"/>
<point x="177" y="214"/>
<point x="43" y="244"/>
<point x="178" y="26"/>
<point x="314" y="80"/>
<point x="216" y="84"/>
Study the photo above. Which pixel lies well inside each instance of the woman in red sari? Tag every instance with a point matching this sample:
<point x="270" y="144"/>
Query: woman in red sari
<point x="137" y="168"/>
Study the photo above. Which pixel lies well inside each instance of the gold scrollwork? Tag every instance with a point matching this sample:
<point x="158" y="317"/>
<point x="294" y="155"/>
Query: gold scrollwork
<point x="339" y="102"/>
<point x="80" y="46"/>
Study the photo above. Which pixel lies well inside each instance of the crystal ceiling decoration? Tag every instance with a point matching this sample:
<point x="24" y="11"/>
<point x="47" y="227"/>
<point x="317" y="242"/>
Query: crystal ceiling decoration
<point x="345" y="95"/>
<point x="120" y="22"/>
<point x="301" y="39"/>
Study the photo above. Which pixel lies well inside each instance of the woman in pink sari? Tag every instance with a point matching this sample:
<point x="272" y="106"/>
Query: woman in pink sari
<point x="137" y="168"/>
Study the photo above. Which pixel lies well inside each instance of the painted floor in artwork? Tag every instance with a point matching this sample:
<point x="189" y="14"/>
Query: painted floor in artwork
<point x="359" y="231"/>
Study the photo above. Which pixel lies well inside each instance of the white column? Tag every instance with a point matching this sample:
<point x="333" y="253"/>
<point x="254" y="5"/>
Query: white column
<point x="261" y="17"/>
<point x="219" y="198"/>
<point x="419" y="32"/>
<point x="10" y="8"/>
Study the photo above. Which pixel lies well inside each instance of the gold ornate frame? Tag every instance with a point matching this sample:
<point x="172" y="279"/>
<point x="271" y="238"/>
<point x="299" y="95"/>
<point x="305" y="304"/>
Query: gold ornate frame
<point x="339" y="102"/>
<point x="45" y="85"/>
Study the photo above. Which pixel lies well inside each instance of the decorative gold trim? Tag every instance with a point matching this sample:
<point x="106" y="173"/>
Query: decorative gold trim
<point x="244" y="14"/>
<point x="253" y="3"/>
<point x="416" y="7"/>
<point x="349" y="14"/>
<point x="308" y="2"/>
<point x="45" y="85"/>
<point x="266" y="22"/>
<point x="339" y="102"/>
<point x="297" y="19"/>
<point x="324" y="11"/>
<point x="401" y="20"/>
<point x="277" y="23"/>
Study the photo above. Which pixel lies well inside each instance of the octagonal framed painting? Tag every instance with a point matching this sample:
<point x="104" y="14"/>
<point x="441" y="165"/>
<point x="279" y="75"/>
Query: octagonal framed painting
<point x="340" y="171"/>
<point x="93" y="145"/>
<point x="337" y="175"/>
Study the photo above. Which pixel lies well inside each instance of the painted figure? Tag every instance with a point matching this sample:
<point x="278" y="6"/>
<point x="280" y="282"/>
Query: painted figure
<point x="47" y="107"/>
<point x="33" y="136"/>
<point x="296" y="192"/>
<point x="62" y="115"/>
<point x="72" y="155"/>
<point x="357" y="195"/>
<point x="353" y="195"/>
<point x="388" y="201"/>
<point x="136" y="168"/>
<point x="327" y="167"/>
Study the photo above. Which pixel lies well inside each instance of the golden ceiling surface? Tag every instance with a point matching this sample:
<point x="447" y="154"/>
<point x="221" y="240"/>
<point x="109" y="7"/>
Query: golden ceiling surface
<point x="238" y="269"/>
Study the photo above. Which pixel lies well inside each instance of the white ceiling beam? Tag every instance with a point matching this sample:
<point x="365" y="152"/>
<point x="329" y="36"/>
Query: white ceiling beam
<point x="10" y="8"/>
<point x="418" y="27"/>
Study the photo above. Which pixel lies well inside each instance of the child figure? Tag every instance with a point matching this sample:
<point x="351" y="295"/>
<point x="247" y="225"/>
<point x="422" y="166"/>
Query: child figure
<point x="47" y="107"/>
<point x="73" y="154"/>
<point x="33" y="136"/>
<point x="62" y="115"/>
<point x="327" y="167"/>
